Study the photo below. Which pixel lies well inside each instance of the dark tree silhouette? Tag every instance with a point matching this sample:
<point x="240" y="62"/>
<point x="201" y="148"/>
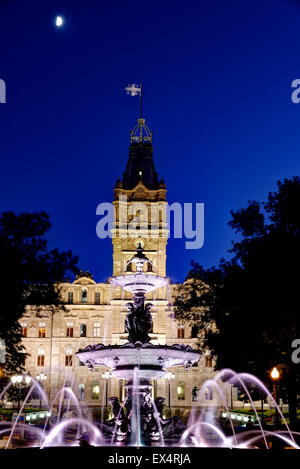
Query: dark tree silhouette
<point x="30" y="275"/>
<point x="247" y="309"/>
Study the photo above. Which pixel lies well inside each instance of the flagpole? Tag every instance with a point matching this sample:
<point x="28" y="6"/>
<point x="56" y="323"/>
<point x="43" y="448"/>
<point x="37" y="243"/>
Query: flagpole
<point x="141" y="100"/>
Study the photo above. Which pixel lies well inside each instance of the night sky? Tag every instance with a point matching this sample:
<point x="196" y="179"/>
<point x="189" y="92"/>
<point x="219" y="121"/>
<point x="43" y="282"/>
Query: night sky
<point x="217" y="93"/>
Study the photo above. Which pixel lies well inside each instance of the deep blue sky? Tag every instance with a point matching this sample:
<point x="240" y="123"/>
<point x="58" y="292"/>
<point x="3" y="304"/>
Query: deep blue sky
<point x="217" y="84"/>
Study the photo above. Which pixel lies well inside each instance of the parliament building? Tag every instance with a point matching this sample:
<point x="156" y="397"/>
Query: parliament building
<point x="95" y="312"/>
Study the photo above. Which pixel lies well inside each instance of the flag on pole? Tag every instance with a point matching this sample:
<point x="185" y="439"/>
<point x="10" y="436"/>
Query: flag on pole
<point x="134" y="90"/>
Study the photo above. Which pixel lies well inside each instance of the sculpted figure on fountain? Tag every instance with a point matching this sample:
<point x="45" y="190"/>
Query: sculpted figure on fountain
<point x="138" y="322"/>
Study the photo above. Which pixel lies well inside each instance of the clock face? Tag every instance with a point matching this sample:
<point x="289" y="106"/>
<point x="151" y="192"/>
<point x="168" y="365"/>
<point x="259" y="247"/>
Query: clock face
<point x="139" y="241"/>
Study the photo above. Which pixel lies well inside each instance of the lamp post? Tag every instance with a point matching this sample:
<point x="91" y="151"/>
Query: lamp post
<point x="20" y="382"/>
<point x="41" y="378"/>
<point x="169" y="376"/>
<point x="275" y="376"/>
<point x="106" y="375"/>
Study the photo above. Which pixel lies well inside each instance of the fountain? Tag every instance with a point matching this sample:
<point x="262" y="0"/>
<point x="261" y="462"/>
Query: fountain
<point x="138" y="362"/>
<point x="139" y="420"/>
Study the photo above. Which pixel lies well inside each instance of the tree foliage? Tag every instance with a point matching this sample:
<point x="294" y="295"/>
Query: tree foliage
<point x="249" y="308"/>
<point x="30" y="275"/>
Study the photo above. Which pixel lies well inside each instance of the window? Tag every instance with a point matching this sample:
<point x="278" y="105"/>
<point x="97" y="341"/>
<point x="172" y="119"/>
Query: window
<point x="67" y="390"/>
<point x="81" y="392"/>
<point x="95" y="390"/>
<point x="70" y="329"/>
<point x="149" y="267"/>
<point x="68" y="357"/>
<point x="84" y="295"/>
<point x="209" y="394"/>
<point x="41" y="357"/>
<point x="24" y="329"/>
<point x="97" y="329"/>
<point x="82" y="330"/>
<point x="70" y="297"/>
<point x="129" y="267"/>
<point x="97" y="298"/>
<point x="42" y="329"/>
<point x="23" y="359"/>
<point x="180" y="391"/>
<point x="208" y="361"/>
<point x="195" y="394"/>
<point x="194" y="332"/>
<point x="122" y="393"/>
<point x="180" y="331"/>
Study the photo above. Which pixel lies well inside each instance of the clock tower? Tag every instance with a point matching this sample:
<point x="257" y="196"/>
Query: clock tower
<point x="140" y="208"/>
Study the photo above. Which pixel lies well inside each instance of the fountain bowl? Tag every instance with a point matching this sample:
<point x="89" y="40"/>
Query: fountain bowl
<point x="150" y="360"/>
<point x="139" y="283"/>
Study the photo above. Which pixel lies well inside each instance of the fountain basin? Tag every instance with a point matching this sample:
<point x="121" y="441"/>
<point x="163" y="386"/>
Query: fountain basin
<point x="151" y="360"/>
<point x="139" y="283"/>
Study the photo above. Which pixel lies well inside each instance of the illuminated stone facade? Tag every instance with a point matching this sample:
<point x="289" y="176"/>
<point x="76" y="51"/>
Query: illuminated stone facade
<point x="95" y="312"/>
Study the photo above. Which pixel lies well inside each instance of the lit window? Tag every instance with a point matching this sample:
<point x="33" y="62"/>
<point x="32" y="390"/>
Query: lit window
<point x="180" y="331"/>
<point x="41" y="357"/>
<point x="24" y="329"/>
<point x="180" y="391"/>
<point x="42" y="330"/>
<point x="95" y="390"/>
<point x="68" y="357"/>
<point x="97" y="298"/>
<point x="70" y="297"/>
<point x="84" y="295"/>
<point x="82" y="330"/>
<point x="97" y="329"/>
<point x="70" y="329"/>
<point x="81" y="392"/>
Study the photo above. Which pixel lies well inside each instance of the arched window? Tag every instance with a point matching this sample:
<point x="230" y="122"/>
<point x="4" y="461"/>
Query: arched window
<point x="129" y="267"/>
<point x="181" y="391"/>
<point x="84" y="295"/>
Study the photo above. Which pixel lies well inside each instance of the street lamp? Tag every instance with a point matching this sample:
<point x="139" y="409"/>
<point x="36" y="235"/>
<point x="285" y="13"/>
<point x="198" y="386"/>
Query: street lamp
<point x="169" y="376"/>
<point x="41" y="378"/>
<point x="275" y="376"/>
<point x="106" y="375"/>
<point x="20" y="382"/>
